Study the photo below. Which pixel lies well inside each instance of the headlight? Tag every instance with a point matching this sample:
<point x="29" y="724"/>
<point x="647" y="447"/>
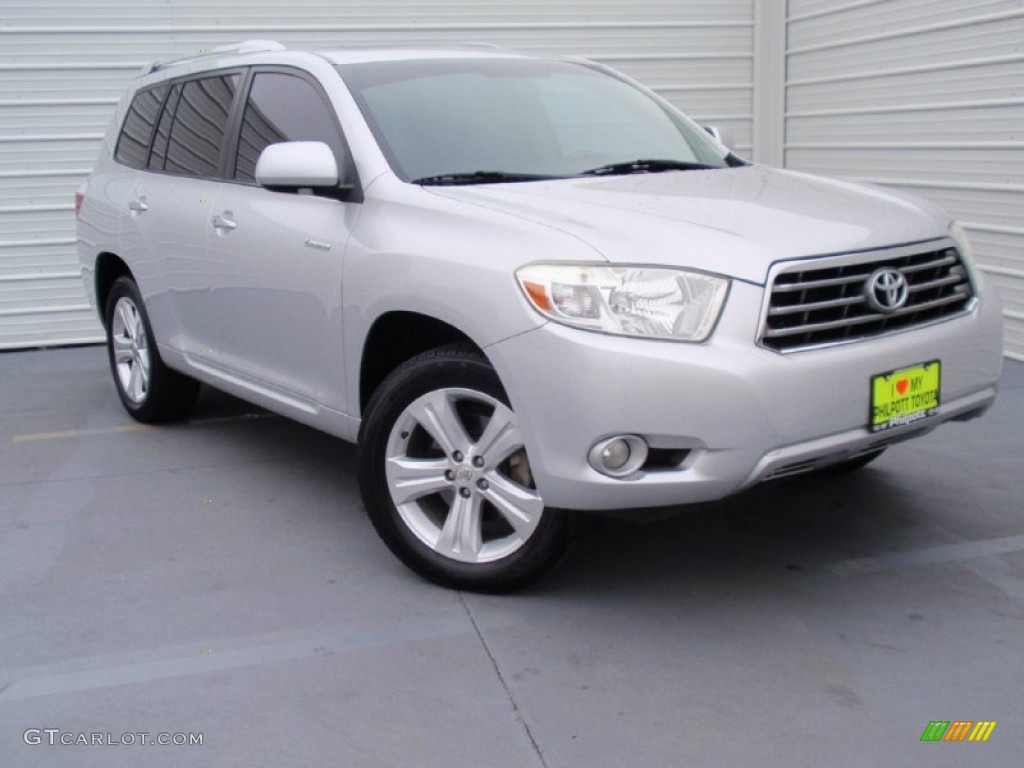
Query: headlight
<point x="650" y="302"/>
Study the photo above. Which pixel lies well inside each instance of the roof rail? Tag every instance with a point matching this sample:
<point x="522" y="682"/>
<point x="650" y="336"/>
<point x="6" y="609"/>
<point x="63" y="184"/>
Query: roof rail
<point x="435" y="45"/>
<point x="247" y="46"/>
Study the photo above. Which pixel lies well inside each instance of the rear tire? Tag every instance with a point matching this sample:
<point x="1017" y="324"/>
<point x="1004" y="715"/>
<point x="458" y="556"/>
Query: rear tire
<point x="149" y="390"/>
<point x="445" y="477"/>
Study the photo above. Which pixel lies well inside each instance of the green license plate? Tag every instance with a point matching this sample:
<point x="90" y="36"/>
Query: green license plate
<point x="904" y="396"/>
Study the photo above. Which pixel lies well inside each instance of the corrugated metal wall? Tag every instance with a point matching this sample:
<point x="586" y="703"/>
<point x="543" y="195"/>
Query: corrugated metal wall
<point x="64" y="64"/>
<point x="926" y="96"/>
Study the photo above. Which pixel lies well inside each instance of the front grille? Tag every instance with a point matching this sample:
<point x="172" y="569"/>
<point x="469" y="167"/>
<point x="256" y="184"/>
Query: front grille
<point x="829" y="305"/>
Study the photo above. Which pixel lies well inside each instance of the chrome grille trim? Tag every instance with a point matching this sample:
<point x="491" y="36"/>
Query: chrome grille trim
<point x="943" y="262"/>
<point x="821" y="302"/>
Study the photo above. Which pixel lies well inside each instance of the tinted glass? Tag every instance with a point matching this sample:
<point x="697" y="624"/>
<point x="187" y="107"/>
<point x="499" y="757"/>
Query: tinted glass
<point x="437" y="117"/>
<point x="197" y="131"/>
<point x="281" y="108"/>
<point x="133" y="143"/>
<point x="158" y="155"/>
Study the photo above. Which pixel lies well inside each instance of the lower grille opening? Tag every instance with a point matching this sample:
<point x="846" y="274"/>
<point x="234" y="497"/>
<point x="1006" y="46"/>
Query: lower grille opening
<point x="789" y="470"/>
<point x="665" y="459"/>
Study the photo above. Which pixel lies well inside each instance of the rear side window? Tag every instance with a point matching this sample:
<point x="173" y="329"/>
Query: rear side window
<point x="197" y="129"/>
<point x="158" y="155"/>
<point x="137" y="129"/>
<point x="280" y="108"/>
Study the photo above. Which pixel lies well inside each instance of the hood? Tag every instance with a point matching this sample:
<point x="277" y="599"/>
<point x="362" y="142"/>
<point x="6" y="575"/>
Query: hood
<point x="735" y="221"/>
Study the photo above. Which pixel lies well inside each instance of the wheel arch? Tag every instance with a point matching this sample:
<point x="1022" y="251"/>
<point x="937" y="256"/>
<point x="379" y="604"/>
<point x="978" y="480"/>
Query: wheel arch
<point x="109" y="267"/>
<point x="397" y="336"/>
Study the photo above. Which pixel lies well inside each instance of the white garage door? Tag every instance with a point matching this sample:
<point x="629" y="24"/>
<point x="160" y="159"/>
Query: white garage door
<point x="64" y="65"/>
<point x="924" y="95"/>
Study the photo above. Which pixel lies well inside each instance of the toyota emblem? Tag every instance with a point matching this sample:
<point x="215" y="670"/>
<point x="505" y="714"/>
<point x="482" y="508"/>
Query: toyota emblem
<point x="887" y="290"/>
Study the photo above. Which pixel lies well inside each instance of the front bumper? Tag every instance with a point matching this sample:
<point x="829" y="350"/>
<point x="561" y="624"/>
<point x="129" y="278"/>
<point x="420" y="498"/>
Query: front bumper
<point x="739" y="413"/>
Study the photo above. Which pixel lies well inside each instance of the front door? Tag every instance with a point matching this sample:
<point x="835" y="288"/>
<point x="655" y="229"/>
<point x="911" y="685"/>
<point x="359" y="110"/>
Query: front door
<point x="277" y="256"/>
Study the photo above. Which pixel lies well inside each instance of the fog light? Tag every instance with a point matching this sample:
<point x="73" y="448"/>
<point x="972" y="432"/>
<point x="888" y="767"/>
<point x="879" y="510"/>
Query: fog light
<point x="619" y="456"/>
<point x="615" y="454"/>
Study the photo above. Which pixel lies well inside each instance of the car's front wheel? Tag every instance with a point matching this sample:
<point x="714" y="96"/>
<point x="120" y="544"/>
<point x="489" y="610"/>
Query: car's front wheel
<point x="149" y="390"/>
<point x="446" y="479"/>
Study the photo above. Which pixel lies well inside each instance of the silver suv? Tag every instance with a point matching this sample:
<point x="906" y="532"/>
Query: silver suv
<point x="523" y="285"/>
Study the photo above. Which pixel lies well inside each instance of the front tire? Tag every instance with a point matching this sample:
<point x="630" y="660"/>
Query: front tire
<point x="446" y="480"/>
<point x="149" y="390"/>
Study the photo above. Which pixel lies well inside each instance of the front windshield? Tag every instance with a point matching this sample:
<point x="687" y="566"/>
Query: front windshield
<point x="524" y="118"/>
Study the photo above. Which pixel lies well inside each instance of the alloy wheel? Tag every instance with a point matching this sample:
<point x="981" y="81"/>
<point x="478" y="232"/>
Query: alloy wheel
<point x="131" y="350"/>
<point x="458" y="475"/>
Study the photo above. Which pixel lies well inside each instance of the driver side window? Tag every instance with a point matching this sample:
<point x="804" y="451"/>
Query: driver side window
<point x="282" y="107"/>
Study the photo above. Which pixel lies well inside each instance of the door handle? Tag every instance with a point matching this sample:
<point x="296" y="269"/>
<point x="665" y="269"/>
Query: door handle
<point x="223" y="222"/>
<point x="138" y="205"/>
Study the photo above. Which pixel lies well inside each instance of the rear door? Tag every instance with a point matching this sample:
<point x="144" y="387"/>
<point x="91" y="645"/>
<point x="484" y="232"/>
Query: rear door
<point x="164" y="237"/>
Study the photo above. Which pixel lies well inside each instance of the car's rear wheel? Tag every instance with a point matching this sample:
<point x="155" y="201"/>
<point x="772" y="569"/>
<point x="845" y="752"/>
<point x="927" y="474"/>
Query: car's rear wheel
<point x="446" y="479"/>
<point x="149" y="390"/>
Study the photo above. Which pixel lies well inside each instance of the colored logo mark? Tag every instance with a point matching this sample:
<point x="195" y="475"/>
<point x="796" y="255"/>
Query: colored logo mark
<point x="958" y="730"/>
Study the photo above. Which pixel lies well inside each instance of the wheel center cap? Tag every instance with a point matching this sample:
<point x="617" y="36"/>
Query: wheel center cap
<point x="464" y="475"/>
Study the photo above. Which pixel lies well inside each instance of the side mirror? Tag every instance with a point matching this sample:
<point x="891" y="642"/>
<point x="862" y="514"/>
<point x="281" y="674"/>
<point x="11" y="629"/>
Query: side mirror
<point x="294" y="165"/>
<point x="722" y="135"/>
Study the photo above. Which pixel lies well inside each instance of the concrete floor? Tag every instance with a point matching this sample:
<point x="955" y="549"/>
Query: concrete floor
<point x="219" y="577"/>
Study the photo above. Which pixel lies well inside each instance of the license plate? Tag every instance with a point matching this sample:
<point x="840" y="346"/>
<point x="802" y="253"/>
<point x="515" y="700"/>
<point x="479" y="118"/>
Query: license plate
<point x="902" y="397"/>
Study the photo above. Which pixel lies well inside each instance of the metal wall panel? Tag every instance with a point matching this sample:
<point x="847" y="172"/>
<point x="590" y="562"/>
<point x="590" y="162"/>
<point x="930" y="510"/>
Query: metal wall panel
<point x="64" y="65"/>
<point x="922" y="95"/>
<point x="925" y="95"/>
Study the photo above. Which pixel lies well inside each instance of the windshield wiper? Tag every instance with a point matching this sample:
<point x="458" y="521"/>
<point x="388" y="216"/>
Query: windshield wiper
<point x="482" y="177"/>
<point x="647" y="166"/>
